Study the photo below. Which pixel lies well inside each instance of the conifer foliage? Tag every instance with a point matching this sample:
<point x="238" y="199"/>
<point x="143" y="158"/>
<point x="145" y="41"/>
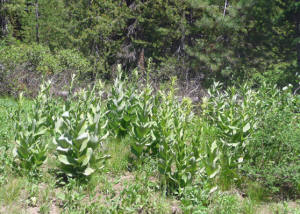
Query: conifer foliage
<point x="224" y="39"/>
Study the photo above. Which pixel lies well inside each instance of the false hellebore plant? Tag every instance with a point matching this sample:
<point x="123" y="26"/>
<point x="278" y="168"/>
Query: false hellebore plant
<point x="81" y="130"/>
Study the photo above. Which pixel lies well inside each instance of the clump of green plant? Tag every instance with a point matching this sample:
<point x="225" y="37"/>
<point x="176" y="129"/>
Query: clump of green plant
<point x="72" y="195"/>
<point x="143" y="125"/>
<point x="81" y="131"/>
<point x="196" y="198"/>
<point x="120" y="105"/>
<point x="31" y="149"/>
<point x="161" y="130"/>
<point x="225" y="204"/>
<point x="177" y="151"/>
<point x="72" y="60"/>
<point x="231" y="115"/>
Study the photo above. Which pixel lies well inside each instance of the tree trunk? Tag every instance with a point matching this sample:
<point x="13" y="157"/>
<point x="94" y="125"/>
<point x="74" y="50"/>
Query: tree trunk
<point x="3" y="19"/>
<point x="37" y="36"/>
<point x="298" y="37"/>
<point x="297" y="22"/>
<point x="225" y="7"/>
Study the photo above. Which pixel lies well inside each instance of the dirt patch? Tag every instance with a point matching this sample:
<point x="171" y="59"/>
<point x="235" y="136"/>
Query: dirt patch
<point x="175" y="207"/>
<point x="32" y="210"/>
<point x="54" y="209"/>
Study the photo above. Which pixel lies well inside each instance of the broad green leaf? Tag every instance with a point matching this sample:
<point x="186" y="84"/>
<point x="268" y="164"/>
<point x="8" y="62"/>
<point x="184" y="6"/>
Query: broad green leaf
<point x="66" y="114"/>
<point x="215" y="173"/>
<point x="88" y="171"/>
<point x="214" y="146"/>
<point x="88" y="156"/>
<point x="62" y="149"/>
<point x="83" y="136"/>
<point x="246" y="127"/>
<point x="212" y="190"/>
<point x="82" y="127"/>
<point x="63" y="159"/>
<point x="105" y="136"/>
<point x="62" y="138"/>
<point x="40" y="133"/>
<point x="233" y="127"/>
<point x="58" y="124"/>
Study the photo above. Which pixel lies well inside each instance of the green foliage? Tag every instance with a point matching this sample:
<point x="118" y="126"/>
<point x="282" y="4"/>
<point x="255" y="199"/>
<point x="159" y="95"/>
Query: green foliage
<point x="226" y="204"/>
<point x="72" y="60"/>
<point x="195" y="199"/>
<point x="119" y="153"/>
<point x="242" y="137"/>
<point x="120" y="105"/>
<point x="233" y="40"/>
<point x="177" y="153"/>
<point x="6" y="161"/>
<point x="232" y="115"/>
<point x="281" y="74"/>
<point x="39" y="58"/>
<point x="21" y="65"/>
<point x="7" y="108"/>
<point x="274" y="148"/>
<point x="72" y="195"/>
<point x="31" y="149"/>
<point x="81" y="130"/>
<point x="143" y="125"/>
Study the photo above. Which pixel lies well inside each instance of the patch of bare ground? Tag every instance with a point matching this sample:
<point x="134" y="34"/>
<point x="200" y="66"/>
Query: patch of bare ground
<point x="54" y="209"/>
<point x="32" y="210"/>
<point x="127" y="178"/>
<point x="10" y="209"/>
<point x="175" y="207"/>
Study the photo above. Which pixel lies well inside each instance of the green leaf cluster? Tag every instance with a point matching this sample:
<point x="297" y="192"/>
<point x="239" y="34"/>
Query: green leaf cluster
<point x="81" y="131"/>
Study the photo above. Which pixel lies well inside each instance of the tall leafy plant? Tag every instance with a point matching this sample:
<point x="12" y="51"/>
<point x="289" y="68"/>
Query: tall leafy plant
<point x="120" y="105"/>
<point x="31" y="149"/>
<point x="143" y="125"/>
<point x="177" y="152"/>
<point x="232" y="116"/>
<point x="81" y="131"/>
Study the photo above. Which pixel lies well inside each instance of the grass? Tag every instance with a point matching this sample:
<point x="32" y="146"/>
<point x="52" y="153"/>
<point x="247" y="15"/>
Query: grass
<point x="120" y="187"/>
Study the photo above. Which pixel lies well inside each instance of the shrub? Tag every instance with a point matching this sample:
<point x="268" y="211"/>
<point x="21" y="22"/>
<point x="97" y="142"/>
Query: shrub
<point x="72" y="60"/>
<point x="23" y="66"/>
<point x="274" y="148"/>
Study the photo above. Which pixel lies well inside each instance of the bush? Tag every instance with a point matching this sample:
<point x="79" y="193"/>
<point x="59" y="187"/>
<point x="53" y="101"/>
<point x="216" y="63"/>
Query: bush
<point x="253" y="133"/>
<point x="39" y="58"/>
<point x="274" y="148"/>
<point x="72" y="60"/>
<point x="22" y="67"/>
